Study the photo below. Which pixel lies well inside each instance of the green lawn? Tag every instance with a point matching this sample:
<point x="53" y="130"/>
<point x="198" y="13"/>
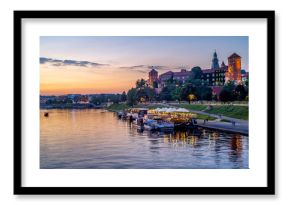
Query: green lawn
<point x="118" y="107"/>
<point x="149" y="106"/>
<point x="193" y="107"/>
<point x="235" y="111"/>
<point x="204" y="117"/>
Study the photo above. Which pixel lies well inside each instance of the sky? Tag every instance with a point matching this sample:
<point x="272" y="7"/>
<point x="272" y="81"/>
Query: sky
<point x="112" y="64"/>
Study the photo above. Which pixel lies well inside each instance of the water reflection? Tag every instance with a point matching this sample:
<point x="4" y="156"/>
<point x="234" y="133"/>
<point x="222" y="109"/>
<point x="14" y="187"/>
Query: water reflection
<point x="98" y="139"/>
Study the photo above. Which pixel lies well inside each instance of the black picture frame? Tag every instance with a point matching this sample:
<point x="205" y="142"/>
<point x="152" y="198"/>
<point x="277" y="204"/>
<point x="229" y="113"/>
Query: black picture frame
<point x="268" y="190"/>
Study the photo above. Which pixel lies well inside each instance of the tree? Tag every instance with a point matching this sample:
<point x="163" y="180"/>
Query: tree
<point x="196" y="73"/>
<point x="195" y="76"/>
<point x="114" y="98"/>
<point x="191" y="97"/>
<point x="150" y="93"/>
<point x="176" y="94"/>
<point x="204" y="92"/>
<point x="166" y="93"/>
<point x="188" y="89"/>
<point x="228" y="92"/>
<point x="241" y="92"/>
<point x="140" y="83"/>
<point x="96" y="100"/>
<point x="146" y="93"/>
<point x="132" y="97"/>
<point x="123" y="96"/>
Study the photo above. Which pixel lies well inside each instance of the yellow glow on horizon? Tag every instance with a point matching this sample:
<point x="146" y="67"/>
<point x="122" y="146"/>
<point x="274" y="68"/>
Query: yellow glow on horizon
<point x="70" y="80"/>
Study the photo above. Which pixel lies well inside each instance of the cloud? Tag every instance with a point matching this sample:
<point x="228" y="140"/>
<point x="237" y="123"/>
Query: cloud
<point x="158" y="67"/>
<point x="135" y="67"/>
<point x="144" y="68"/>
<point x="57" y="62"/>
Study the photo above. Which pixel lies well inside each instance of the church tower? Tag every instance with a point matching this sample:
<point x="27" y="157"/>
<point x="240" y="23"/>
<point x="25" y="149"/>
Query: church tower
<point x="215" y="61"/>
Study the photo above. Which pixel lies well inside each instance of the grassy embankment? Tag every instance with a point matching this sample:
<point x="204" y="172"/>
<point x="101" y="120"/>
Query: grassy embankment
<point x="239" y="112"/>
<point x="118" y="107"/>
<point x="121" y="107"/>
<point x="234" y="111"/>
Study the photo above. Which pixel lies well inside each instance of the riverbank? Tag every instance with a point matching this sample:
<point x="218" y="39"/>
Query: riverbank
<point x="71" y="106"/>
<point x="218" y="117"/>
<point x="122" y="107"/>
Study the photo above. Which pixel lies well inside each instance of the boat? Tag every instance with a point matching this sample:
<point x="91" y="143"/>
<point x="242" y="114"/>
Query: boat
<point x="120" y="114"/>
<point x="180" y="123"/>
<point x="158" y="125"/>
<point x="180" y="118"/>
<point x="135" y="113"/>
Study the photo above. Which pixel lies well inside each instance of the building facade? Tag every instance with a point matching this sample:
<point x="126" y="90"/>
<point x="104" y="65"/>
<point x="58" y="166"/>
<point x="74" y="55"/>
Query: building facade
<point x="216" y="77"/>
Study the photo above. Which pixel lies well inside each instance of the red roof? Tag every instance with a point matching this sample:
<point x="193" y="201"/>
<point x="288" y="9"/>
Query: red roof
<point x="234" y="55"/>
<point x="167" y="73"/>
<point x="181" y="74"/>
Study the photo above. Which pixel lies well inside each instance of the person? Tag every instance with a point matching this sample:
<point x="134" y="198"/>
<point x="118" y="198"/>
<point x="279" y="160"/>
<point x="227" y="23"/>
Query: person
<point x="131" y="118"/>
<point x="233" y="123"/>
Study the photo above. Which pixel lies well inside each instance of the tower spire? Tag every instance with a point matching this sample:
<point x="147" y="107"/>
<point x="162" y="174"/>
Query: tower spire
<point x="215" y="61"/>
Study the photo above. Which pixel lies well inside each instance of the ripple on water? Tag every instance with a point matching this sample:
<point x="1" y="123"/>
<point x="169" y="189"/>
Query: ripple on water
<point x="97" y="139"/>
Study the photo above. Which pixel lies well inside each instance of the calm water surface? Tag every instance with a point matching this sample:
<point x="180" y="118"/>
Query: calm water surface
<point x="97" y="139"/>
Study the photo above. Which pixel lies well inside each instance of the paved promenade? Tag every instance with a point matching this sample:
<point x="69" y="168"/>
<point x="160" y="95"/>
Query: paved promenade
<point x="235" y="125"/>
<point x="242" y="128"/>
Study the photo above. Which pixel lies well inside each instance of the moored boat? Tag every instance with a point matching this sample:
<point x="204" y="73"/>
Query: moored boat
<point x="158" y="125"/>
<point x="136" y="113"/>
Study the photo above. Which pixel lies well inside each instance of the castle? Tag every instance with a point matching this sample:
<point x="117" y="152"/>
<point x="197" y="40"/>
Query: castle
<point x="215" y="77"/>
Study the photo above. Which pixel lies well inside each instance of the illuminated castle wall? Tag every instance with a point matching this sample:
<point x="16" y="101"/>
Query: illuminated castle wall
<point x="234" y="68"/>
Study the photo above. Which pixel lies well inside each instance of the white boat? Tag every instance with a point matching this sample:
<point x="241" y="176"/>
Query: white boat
<point x="158" y="125"/>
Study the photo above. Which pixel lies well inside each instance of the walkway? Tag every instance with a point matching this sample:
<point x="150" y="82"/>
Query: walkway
<point x="235" y="125"/>
<point x="242" y="128"/>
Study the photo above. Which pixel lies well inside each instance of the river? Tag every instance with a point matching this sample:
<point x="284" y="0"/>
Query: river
<point x="97" y="139"/>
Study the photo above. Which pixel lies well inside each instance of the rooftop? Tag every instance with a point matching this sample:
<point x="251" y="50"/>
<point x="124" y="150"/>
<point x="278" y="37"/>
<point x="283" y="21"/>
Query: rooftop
<point x="234" y="55"/>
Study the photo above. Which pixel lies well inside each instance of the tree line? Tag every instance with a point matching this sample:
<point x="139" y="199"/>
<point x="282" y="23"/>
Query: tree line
<point x="193" y="89"/>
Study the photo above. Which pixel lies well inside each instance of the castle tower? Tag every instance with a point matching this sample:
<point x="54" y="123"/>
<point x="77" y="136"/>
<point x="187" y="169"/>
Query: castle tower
<point x="234" y="68"/>
<point x="215" y="61"/>
<point x="223" y="65"/>
<point x="153" y="76"/>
